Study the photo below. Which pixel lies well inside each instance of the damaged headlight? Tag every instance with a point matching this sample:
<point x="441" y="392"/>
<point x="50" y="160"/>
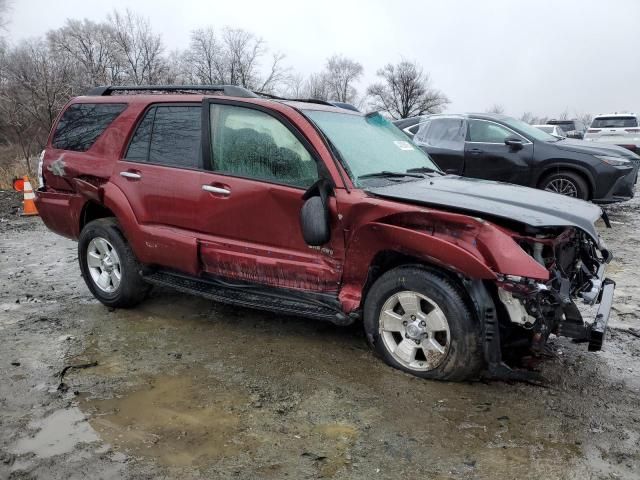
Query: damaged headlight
<point x="518" y="284"/>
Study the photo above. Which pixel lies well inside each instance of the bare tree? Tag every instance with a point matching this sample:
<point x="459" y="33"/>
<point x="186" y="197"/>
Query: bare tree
<point x="233" y="58"/>
<point x="405" y="91"/>
<point x="527" y="117"/>
<point x="317" y="87"/>
<point x="206" y="57"/>
<point x="585" y="118"/>
<point x="139" y="46"/>
<point x="293" y="86"/>
<point x="564" y="115"/>
<point x="496" y="108"/>
<point x="91" y="47"/>
<point x="341" y="73"/>
<point x="36" y="86"/>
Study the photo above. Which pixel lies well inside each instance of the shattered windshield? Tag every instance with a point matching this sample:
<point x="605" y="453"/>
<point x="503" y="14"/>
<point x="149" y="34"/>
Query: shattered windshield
<point x="370" y="144"/>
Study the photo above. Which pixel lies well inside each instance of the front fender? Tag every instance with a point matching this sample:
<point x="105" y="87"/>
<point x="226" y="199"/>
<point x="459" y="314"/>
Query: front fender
<point x="469" y="246"/>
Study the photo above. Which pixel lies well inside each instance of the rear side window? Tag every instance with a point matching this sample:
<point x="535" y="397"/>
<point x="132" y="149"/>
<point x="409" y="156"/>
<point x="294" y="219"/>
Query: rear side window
<point x="82" y="123"/>
<point x="614" y="122"/>
<point x="444" y="133"/>
<point x="168" y="135"/>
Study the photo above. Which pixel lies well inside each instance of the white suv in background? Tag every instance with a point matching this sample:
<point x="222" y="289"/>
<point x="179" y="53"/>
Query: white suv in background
<point x="621" y="129"/>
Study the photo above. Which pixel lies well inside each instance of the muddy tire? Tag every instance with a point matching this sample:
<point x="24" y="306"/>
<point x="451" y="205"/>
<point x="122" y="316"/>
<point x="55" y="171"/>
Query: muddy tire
<point x="418" y="321"/>
<point x="108" y="265"/>
<point x="566" y="183"/>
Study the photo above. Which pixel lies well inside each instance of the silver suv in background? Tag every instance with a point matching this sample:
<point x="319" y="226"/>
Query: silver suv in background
<point x="621" y="129"/>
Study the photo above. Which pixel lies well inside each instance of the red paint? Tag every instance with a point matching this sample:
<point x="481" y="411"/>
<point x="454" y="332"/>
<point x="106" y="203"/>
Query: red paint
<point x="254" y="233"/>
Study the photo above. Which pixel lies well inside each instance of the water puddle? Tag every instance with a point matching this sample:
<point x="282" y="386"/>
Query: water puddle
<point x="182" y="420"/>
<point x="57" y="434"/>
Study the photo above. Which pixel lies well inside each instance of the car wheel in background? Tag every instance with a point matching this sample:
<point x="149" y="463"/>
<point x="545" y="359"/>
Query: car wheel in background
<point x="566" y="183"/>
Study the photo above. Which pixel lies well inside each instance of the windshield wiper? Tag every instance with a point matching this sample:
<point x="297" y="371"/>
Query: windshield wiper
<point x="425" y="170"/>
<point x="388" y="174"/>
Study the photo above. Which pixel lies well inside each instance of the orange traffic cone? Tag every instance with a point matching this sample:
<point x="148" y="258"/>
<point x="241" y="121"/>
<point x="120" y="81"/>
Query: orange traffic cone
<point x="28" y="205"/>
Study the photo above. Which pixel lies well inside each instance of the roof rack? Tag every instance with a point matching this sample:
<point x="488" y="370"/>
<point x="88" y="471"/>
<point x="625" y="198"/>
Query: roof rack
<point x="228" y="90"/>
<point x="306" y="100"/>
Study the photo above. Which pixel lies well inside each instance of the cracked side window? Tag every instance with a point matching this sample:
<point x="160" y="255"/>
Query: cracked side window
<point x="250" y="143"/>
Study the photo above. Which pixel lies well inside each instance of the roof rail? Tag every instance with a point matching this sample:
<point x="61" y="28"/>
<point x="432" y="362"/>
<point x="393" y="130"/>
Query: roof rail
<point x="228" y="90"/>
<point x="306" y="100"/>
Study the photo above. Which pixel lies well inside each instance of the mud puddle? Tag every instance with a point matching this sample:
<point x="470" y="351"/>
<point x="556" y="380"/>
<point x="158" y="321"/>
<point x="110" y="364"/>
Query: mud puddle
<point x="57" y="434"/>
<point x="189" y="419"/>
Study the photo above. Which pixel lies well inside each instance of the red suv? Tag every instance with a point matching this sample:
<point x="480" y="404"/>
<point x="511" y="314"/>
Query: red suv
<point x="303" y="208"/>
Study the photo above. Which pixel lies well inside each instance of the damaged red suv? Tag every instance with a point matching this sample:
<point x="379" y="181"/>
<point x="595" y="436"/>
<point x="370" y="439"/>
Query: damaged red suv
<point x="302" y="208"/>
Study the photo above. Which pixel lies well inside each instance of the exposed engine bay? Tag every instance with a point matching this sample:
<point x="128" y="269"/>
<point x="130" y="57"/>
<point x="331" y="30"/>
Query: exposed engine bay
<point x="576" y="266"/>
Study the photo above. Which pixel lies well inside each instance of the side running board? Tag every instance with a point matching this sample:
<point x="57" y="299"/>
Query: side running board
<point x="290" y="302"/>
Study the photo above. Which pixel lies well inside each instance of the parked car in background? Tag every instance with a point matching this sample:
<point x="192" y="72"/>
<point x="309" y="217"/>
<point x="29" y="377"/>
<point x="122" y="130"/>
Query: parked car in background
<point x="306" y="209"/>
<point x="572" y="128"/>
<point x="410" y="125"/>
<point x="554" y="130"/>
<point x="621" y="129"/>
<point x="498" y="147"/>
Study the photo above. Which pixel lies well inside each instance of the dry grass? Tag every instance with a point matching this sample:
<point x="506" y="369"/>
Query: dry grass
<point x="12" y="165"/>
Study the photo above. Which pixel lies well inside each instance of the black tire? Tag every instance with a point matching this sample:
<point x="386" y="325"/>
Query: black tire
<point x="132" y="289"/>
<point x="463" y="360"/>
<point x="573" y="179"/>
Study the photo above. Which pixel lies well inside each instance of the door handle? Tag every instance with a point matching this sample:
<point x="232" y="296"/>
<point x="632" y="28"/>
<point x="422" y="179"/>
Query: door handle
<point x="217" y="190"/>
<point x="475" y="151"/>
<point x="131" y="175"/>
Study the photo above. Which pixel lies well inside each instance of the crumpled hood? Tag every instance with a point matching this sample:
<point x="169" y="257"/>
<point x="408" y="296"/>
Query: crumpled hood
<point x="594" y="148"/>
<point x="530" y="206"/>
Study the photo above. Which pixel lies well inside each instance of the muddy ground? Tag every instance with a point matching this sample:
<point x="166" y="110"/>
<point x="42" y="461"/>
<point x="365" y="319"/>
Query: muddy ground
<point x="184" y="388"/>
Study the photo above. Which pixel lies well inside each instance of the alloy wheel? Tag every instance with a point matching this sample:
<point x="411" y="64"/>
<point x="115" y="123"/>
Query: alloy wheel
<point x="563" y="186"/>
<point x="414" y="330"/>
<point x="104" y="265"/>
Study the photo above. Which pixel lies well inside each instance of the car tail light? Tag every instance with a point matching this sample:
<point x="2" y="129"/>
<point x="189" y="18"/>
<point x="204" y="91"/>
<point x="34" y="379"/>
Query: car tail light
<point x="632" y="130"/>
<point x="593" y="130"/>
<point x="40" y="166"/>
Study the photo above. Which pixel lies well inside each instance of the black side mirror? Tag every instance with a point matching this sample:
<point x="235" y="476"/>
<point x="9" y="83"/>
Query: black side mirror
<point x="515" y="143"/>
<point x="314" y="215"/>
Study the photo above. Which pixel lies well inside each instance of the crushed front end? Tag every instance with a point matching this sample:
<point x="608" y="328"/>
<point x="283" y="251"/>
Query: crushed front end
<point x="576" y="264"/>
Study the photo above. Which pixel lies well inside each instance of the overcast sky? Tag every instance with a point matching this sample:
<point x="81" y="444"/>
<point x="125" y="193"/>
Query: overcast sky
<point x="541" y="56"/>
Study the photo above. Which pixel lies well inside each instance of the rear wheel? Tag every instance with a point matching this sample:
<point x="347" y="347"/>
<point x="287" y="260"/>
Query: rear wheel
<point x="418" y="321"/>
<point x="566" y="183"/>
<point x="108" y="265"/>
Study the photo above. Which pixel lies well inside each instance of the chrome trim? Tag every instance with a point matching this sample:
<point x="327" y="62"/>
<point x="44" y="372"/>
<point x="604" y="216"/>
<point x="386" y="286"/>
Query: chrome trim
<point x="135" y="176"/>
<point x="218" y="190"/>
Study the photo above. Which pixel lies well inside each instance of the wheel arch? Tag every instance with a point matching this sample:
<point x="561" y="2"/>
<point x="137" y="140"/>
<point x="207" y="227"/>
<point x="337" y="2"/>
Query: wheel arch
<point x="93" y="210"/>
<point x="559" y="167"/>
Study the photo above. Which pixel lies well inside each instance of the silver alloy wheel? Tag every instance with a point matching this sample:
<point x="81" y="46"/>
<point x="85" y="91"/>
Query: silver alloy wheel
<point x="104" y="265"/>
<point x="414" y="330"/>
<point x="563" y="186"/>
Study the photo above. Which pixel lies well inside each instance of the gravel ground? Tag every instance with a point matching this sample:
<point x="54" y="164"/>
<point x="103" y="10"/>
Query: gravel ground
<point x="184" y="388"/>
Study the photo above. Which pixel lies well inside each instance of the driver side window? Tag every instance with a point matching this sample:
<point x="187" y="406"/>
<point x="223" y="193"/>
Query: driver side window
<point x="252" y="144"/>
<point x="487" y="132"/>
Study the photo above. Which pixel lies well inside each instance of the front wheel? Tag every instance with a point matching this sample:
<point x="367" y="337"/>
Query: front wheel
<point x="419" y="322"/>
<point x="108" y="265"/>
<point x="566" y="183"/>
